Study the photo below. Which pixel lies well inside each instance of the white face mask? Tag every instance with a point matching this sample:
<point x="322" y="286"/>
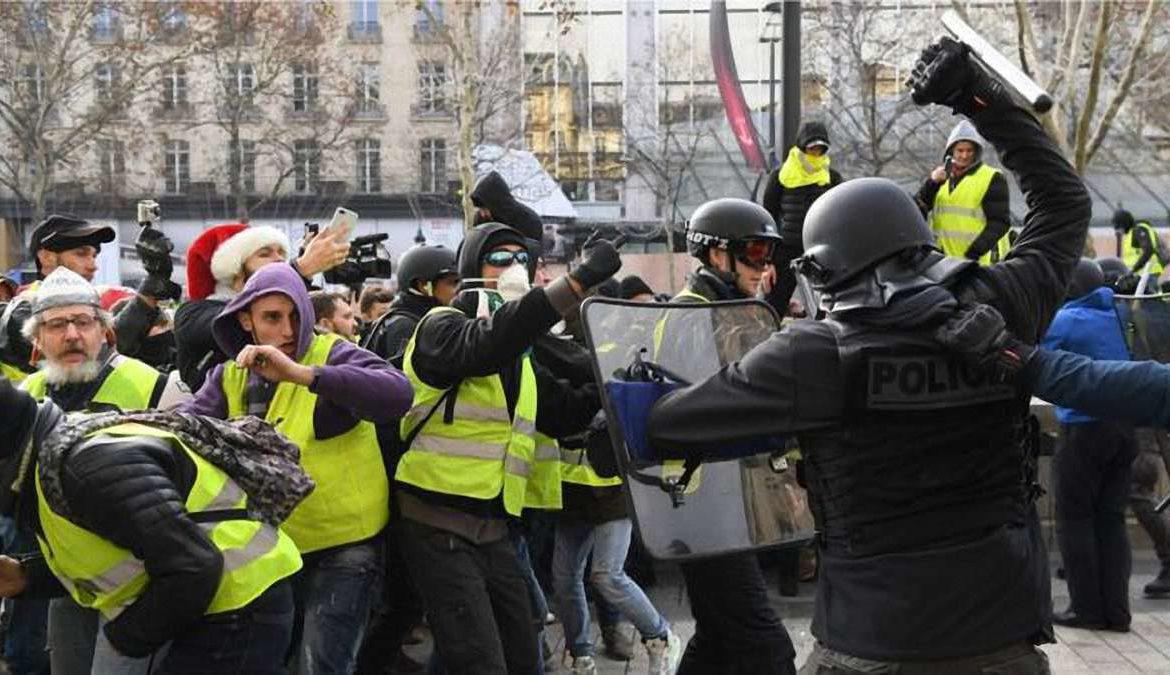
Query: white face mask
<point x="513" y="283"/>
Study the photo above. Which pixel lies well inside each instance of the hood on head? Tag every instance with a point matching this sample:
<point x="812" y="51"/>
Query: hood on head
<point x="1098" y="298"/>
<point x="273" y="278"/>
<point x="965" y="131"/>
<point x="492" y="193"/>
<point x="809" y="132"/>
<point x="482" y="239"/>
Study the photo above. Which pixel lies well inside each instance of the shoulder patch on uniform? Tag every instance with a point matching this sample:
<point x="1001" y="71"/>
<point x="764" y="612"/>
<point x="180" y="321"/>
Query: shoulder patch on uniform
<point x="928" y="382"/>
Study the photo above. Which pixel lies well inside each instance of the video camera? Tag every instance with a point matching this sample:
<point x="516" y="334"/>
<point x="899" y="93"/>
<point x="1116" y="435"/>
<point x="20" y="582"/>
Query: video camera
<point x="368" y="258"/>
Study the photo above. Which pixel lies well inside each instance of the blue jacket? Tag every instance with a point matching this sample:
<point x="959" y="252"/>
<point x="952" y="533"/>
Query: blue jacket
<point x="1126" y="391"/>
<point x="1088" y="326"/>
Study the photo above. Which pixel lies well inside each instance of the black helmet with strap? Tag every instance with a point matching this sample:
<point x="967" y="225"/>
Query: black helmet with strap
<point x="857" y="225"/>
<point x="720" y="223"/>
<point x="425" y="263"/>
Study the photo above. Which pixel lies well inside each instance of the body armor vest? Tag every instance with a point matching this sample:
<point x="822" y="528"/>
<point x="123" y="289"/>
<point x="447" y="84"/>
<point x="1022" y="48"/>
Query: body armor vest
<point x="929" y="450"/>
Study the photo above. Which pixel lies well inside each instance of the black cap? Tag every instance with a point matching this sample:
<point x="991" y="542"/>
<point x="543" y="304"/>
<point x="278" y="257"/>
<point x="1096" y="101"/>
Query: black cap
<point x="633" y="285"/>
<point x="63" y="232"/>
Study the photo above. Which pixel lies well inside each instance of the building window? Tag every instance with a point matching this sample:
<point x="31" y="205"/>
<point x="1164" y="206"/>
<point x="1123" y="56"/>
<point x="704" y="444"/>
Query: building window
<point x="175" y="88"/>
<point x="177" y="172"/>
<point x="107" y="25"/>
<point x="363" y="19"/>
<point x="368" y="88"/>
<point x="36" y="19"/>
<point x="32" y="78"/>
<point x="433" y="165"/>
<point x="111" y="164"/>
<point x="172" y="18"/>
<point x="245" y="154"/>
<point x="432" y="84"/>
<point x="369" y="165"/>
<point x="306" y="166"/>
<point x="105" y="82"/>
<point x="240" y="83"/>
<point x="304" y="87"/>
<point x="304" y="19"/>
<point x="424" y="24"/>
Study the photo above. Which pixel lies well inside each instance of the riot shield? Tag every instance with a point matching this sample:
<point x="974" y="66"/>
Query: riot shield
<point x="738" y="499"/>
<point x="1145" y="322"/>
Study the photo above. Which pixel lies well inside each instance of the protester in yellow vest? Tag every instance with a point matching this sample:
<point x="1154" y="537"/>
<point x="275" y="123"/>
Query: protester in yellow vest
<point x="325" y="394"/>
<point x="149" y="529"/>
<point x="332" y="313"/>
<point x="789" y="191"/>
<point x="81" y="371"/>
<point x="968" y="201"/>
<point x="479" y="402"/>
<point x="1139" y="248"/>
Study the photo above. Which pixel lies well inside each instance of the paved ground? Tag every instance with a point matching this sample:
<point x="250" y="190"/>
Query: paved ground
<point x="1146" y="649"/>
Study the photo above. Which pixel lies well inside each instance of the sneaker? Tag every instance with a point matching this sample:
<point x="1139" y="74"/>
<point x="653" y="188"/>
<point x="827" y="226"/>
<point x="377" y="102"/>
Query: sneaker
<point x="583" y="665"/>
<point x="664" y="653"/>
<point x="619" y="644"/>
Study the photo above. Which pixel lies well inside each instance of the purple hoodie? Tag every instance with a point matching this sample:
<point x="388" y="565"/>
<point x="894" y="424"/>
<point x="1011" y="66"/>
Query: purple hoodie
<point x="353" y="385"/>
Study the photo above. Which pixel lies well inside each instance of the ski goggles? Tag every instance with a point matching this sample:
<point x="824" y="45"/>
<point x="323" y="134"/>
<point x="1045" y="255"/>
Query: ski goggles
<point x="754" y="252"/>
<point x="504" y="258"/>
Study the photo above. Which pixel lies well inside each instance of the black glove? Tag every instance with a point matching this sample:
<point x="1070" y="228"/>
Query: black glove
<point x="946" y="74"/>
<point x="160" y="288"/>
<point x="979" y="336"/>
<point x="601" y="261"/>
<point x="154" y="250"/>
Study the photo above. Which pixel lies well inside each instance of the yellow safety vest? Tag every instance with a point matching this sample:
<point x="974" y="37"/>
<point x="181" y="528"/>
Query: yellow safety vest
<point x="483" y="451"/>
<point x="575" y="468"/>
<point x="352" y="499"/>
<point x="129" y="386"/>
<point x="103" y="576"/>
<point x="1131" y="254"/>
<point x="544" y="485"/>
<point x="12" y="373"/>
<point x="957" y="217"/>
<point x="800" y="169"/>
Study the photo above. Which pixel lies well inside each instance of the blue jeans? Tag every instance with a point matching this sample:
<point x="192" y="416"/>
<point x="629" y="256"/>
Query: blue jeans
<point x="609" y="543"/>
<point x="24" y="643"/>
<point x="73" y="630"/>
<point x="334" y="594"/>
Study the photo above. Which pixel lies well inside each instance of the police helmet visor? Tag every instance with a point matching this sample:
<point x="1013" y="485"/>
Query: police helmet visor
<point x="505" y="258"/>
<point x="754" y="252"/>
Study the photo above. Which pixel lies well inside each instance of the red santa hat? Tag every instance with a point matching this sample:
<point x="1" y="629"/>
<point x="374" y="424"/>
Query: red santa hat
<point x="217" y="256"/>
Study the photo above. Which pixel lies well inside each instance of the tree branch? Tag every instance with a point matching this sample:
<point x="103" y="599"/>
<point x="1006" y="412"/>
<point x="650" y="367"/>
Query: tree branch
<point x="1100" y="44"/>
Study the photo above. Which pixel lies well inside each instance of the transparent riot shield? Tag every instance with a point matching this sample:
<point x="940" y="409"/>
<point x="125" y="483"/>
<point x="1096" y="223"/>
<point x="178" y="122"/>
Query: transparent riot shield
<point x="1145" y="322"/>
<point x="739" y="498"/>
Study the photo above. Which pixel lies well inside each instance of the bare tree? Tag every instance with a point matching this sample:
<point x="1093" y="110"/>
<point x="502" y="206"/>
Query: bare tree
<point x="274" y="82"/>
<point x="877" y="128"/>
<point x="481" y="43"/>
<point x="69" y="73"/>
<point x="1090" y="56"/>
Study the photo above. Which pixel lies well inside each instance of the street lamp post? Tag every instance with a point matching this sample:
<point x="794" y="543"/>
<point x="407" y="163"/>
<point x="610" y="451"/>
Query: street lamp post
<point x="770" y="33"/>
<point x="791" y="68"/>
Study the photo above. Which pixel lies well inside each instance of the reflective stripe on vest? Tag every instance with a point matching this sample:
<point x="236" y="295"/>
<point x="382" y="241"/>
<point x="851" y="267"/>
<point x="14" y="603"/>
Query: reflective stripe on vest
<point x="575" y="468"/>
<point x="352" y="497"/>
<point x="483" y="451"/>
<point x="957" y="217"/>
<point x="544" y="485"/>
<point x="129" y="386"/>
<point x="101" y="575"/>
<point x="1131" y="254"/>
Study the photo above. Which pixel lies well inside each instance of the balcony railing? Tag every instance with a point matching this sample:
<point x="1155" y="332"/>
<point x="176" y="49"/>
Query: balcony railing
<point x="431" y="110"/>
<point x="369" y="110"/>
<point x="369" y="32"/>
<point x="425" y="32"/>
<point x="175" y="112"/>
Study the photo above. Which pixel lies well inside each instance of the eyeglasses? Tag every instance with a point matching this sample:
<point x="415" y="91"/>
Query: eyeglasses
<point x="83" y="322"/>
<point x="754" y="252"/>
<point x="504" y="258"/>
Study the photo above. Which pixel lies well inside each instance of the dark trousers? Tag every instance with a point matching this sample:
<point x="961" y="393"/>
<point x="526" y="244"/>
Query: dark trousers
<point x="1143" y="496"/>
<point x="1092" y="473"/>
<point x="736" y="630"/>
<point x="1015" y="660"/>
<point x="250" y="640"/>
<point x="399" y="611"/>
<point x="476" y="601"/>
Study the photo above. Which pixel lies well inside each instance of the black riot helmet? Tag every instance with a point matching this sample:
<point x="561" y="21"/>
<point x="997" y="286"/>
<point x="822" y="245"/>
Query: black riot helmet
<point x="1087" y="277"/>
<point x="426" y="264"/>
<point x="856" y="225"/>
<point x="482" y="239"/>
<point x="732" y="224"/>
<point x="1112" y="270"/>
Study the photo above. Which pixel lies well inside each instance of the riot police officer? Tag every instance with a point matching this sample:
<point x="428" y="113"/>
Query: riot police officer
<point x="919" y="471"/>
<point x="736" y="629"/>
